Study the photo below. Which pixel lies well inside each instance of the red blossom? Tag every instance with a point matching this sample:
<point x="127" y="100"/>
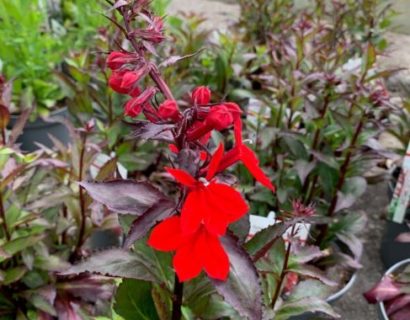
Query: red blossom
<point x="243" y="153"/>
<point x="125" y="82"/>
<point x="201" y="95"/>
<point x="169" y="110"/>
<point x="213" y="204"/>
<point x="195" y="252"/>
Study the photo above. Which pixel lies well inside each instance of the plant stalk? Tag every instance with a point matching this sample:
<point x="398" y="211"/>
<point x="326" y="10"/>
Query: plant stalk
<point x="81" y="196"/>
<point x="177" y="299"/>
<point x="284" y="271"/>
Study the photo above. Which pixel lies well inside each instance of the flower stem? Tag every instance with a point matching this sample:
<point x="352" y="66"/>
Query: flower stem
<point x="81" y="196"/>
<point x="3" y="217"/>
<point x="284" y="271"/>
<point x="177" y="299"/>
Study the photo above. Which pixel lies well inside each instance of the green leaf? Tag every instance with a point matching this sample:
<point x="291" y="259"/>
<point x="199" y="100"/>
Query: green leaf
<point x="134" y="300"/>
<point x="14" y="274"/>
<point x="14" y="246"/>
<point x="310" y="288"/>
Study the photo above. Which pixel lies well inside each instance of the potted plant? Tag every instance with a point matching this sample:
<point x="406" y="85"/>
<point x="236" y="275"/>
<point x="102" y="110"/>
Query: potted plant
<point x="392" y="251"/>
<point x="392" y="292"/>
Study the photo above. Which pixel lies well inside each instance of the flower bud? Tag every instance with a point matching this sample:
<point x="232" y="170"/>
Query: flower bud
<point x="234" y="109"/>
<point x="169" y="110"/>
<point x="117" y="59"/>
<point x="201" y="95"/>
<point x="132" y="108"/>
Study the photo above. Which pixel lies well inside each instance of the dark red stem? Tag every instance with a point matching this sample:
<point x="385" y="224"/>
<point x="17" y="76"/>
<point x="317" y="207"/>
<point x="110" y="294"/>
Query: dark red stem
<point x="177" y="299"/>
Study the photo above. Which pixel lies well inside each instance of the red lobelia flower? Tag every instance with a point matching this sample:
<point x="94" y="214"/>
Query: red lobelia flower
<point x="195" y="252"/>
<point x="140" y="103"/>
<point x="213" y="204"/>
<point x="243" y="153"/>
<point x="117" y="59"/>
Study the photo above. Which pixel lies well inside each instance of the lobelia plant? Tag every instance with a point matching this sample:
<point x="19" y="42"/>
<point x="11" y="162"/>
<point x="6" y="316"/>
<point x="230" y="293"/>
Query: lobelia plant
<point x="42" y="228"/>
<point x="207" y="228"/>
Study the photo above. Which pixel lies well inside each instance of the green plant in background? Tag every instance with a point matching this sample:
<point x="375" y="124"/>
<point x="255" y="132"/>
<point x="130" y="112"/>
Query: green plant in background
<point x="36" y="38"/>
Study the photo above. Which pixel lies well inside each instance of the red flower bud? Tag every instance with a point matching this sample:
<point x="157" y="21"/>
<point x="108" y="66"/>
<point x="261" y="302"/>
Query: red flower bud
<point x="117" y="59"/>
<point x="125" y="82"/>
<point x="201" y="95"/>
<point x="169" y="110"/>
<point x="135" y="105"/>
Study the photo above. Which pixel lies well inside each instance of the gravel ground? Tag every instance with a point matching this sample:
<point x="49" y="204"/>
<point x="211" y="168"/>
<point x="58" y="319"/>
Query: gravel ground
<point x="352" y="306"/>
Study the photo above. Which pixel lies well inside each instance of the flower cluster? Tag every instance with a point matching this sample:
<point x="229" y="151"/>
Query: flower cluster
<point x="207" y="204"/>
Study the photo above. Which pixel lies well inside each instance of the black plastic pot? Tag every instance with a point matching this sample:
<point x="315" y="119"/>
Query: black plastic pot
<point x="391" y="251"/>
<point x="40" y="129"/>
<point x="393" y="269"/>
<point x="332" y="299"/>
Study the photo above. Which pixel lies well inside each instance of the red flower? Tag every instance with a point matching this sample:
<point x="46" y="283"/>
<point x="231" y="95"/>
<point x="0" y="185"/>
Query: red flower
<point x="169" y="110"/>
<point x="213" y="204"/>
<point x="243" y="153"/>
<point x="218" y="118"/>
<point x="116" y="60"/>
<point x="195" y="252"/>
<point x="201" y="95"/>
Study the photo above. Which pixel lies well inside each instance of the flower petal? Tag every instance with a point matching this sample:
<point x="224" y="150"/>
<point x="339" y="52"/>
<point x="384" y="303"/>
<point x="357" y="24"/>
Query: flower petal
<point x="187" y="262"/>
<point x="226" y="201"/>
<point x="251" y="162"/>
<point x="182" y="177"/>
<point x="215" y="161"/>
<point x="193" y="211"/>
<point x="215" y="259"/>
<point x="167" y="235"/>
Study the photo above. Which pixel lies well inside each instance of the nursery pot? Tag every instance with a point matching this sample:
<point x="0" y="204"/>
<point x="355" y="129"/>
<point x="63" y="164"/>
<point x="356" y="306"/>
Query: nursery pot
<point x="391" y="251"/>
<point x="40" y="129"/>
<point x="382" y="311"/>
<point x="331" y="299"/>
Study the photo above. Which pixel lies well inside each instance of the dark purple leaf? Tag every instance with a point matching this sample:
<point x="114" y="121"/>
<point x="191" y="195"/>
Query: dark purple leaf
<point x="305" y="253"/>
<point x="403" y="314"/>
<point x="241" y="228"/>
<point x="386" y="289"/>
<point x="242" y="290"/>
<point x="312" y="272"/>
<point x="174" y="59"/>
<point x="261" y="242"/>
<point x="89" y="287"/>
<point x="54" y="163"/>
<point x="151" y="131"/>
<point x="139" y="228"/>
<point x="303" y="168"/>
<point x="19" y="126"/>
<point x="124" y="196"/>
<point x="67" y="309"/>
<point x="353" y="188"/>
<point x="308" y="304"/>
<point x="116" y="263"/>
<point x="354" y="244"/>
<point x="397" y="304"/>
